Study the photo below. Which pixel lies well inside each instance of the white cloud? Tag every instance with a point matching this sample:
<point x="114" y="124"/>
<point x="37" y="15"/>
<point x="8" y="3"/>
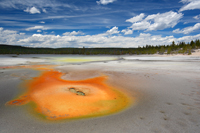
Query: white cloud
<point x="10" y="36"/>
<point x="190" y="5"/>
<point x="127" y="31"/>
<point x="44" y="10"/>
<point x="21" y="33"/>
<point x="187" y="38"/>
<point x="149" y="17"/>
<point x="197" y="17"/>
<point x="73" y="33"/>
<point x="98" y="40"/>
<point x="188" y="30"/>
<point x="32" y="10"/>
<point x="164" y="20"/>
<point x="40" y="4"/>
<point x="39" y="31"/>
<point x="136" y="18"/>
<point x="105" y="2"/>
<point x="114" y="30"/>
<point x="101" y="40"/>
<point x="9" y="32"/>
<point x="155" y="21"/>
<point x="140" y="25"/>
<point x="42" y="22"/>
<point x="36" y="28"/>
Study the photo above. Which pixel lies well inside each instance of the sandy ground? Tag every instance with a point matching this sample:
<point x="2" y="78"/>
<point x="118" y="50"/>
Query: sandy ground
<point x="196" y="53"/>
<point x="166" y="89"/>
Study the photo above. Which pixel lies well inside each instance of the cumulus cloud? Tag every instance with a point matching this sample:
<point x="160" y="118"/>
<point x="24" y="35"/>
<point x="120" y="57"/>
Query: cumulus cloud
<point x="190" y="5"/>
<point x="140" y="25"/>
<point x="136" y="18"/>
<point x="39" y="31"/>
<point x="105" y="2"/>
<point x="32" y="10"/>
<point x="164" y="20"/>
<point x="155" y="21"/>
<point x="9" y="32"/>
<point x="197" y="17"/>
<point x="10" y="36"/>
<point x="127" y="31"/>
<point x="188" y="30"/>
<point x="73" y="33"/>
<point x="98" y="40"/>
<point x="36" y="28"/>
<point x="101" y="40"/>
<point x="114" y="30"/>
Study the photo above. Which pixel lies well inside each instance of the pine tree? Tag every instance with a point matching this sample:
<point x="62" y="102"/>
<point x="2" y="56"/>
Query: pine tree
<point x="169" y="50"/>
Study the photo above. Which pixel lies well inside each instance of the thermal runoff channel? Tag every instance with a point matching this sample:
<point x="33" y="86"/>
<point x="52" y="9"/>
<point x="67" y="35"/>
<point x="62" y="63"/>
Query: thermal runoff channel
<point x="56" y="98"/>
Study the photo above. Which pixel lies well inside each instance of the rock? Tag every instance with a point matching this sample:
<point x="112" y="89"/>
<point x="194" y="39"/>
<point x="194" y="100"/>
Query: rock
<point x="80" y="93"/>
<point x="72" y="90"/>
<point x="77" y="92"/>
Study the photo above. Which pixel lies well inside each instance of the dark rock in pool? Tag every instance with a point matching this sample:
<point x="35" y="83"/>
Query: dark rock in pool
<point x="72" y="90"/>
<point x="80" y="93"/>
<point x="15" y="101"/>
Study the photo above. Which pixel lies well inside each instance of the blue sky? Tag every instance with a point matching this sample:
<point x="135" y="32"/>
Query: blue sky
<point x="98" y="23"/>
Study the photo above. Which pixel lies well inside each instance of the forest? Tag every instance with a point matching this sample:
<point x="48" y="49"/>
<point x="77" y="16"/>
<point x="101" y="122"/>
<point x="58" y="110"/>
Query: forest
<point x="180" y="48"/>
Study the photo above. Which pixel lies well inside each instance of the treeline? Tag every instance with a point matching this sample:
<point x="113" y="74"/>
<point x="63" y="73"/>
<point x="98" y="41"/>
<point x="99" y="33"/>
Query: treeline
<point x="8" y="49"/>
<point x="181" y="48"/>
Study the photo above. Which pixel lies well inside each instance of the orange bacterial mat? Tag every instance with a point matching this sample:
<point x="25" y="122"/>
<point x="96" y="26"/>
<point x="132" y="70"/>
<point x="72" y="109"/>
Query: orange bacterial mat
<point x="56" y="98"/>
